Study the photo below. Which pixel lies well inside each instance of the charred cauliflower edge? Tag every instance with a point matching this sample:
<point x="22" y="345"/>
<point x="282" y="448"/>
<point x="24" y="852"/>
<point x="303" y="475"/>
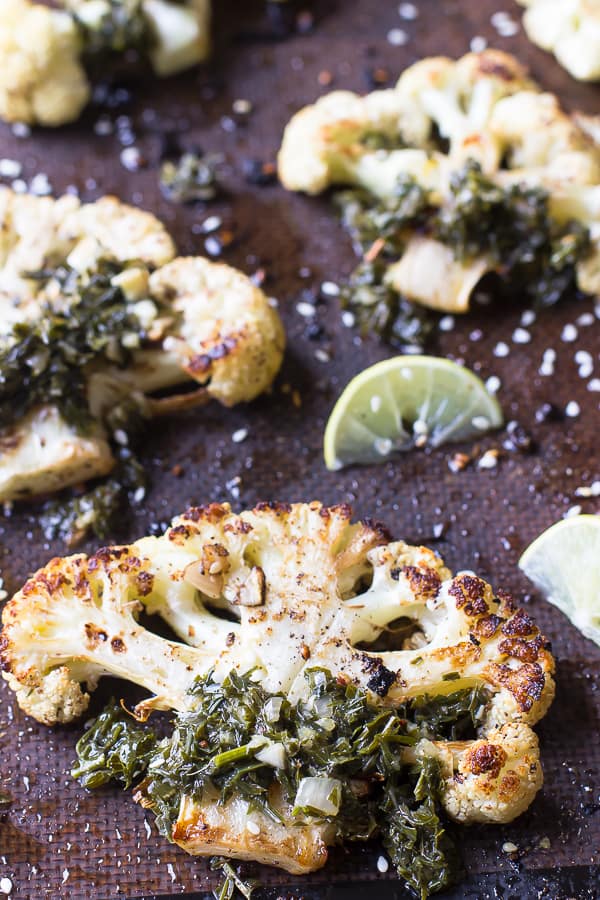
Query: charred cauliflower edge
<point x="293" y="577"/>
<point x="42" y="78"/>
<point x="221" y="332"/>
<point x="487" y="110"/>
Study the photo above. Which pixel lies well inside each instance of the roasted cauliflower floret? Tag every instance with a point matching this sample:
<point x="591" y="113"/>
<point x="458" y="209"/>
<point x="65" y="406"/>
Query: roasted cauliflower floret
<point x="43" y="50"/>
<point x="41" y="76"/>
<point x="490" y="780"/>
<point x="481" y="110"/>
<point x="291" y="579"/>
<point x="203" y="321"/>
<point x="570" y="29"/>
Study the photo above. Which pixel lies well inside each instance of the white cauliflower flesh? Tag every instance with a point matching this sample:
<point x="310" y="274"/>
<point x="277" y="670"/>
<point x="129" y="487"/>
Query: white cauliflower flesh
<point x="291" y="580"/>
<point x="442" y="114"/>
<point x="205" y="322"/>
<point x="570" y="29"/>
<point x="42" y="50"/>
<point x="41" y="76"/>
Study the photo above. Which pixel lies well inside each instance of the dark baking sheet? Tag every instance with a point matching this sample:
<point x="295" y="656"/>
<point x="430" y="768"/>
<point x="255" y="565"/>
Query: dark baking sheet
<point x="58" y="840"/>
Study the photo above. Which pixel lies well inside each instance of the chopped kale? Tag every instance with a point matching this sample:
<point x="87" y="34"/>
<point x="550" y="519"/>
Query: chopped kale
<point x="113" y="748"/>
<point x="233" y="886"/>
<point x="336" y="732"/>
<point x="190" y="178"/>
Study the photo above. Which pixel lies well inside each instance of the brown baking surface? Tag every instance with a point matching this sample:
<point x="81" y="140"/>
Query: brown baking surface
<point x="58" y="840"/>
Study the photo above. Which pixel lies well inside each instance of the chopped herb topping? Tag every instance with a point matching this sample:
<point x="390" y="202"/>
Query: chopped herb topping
<point x="42" y="360"/>
<point x="336" y="756"/>
<point x="113" y="26"/>
<point x="232" y="886"/>
<point x="510" y="225"/>
<point x="190" y="178"/>
<point x="84" y="321"/>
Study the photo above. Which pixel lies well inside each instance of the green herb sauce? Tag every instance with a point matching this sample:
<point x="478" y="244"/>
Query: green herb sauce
<point x="511" y="225"/>
<point x="336" y="732"/>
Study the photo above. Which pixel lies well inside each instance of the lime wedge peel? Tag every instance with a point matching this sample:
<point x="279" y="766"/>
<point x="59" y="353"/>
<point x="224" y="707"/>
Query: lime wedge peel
<point x="403" y="403"/>
<point x="564" y="564"/>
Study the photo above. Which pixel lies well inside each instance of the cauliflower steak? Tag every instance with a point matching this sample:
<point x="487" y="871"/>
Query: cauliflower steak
<point x="288" y="593"/>
<point x="43" y="50"/>
<point x="445" y="156"/>
<point x="174" y="322"/>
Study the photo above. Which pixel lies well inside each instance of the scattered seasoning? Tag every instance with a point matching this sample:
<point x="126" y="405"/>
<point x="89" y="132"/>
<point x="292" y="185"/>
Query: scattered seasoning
<point x="569" y="333"/>
<point x="591" y="490"/>
<point x="509" y="847"/>
<point x="493" y="384"/>
<point x="408" y="11"/>
<point x="240" y="435"/>
<point x="572" y="409"/>
<point x="382" y="865"/>
<point x="259" y="173"/>
<point x="521" y="336"/>
<point x="489" y="460"/>
<point x="501" y="349"/>
<point x="190" y="178"/>
<point x="572" y="511"/>
<point x="397" y="37"/>
<point x="478" y="44"/>
<point x="458" y="462"/>
<point x="6" y="886"/>
<point x="594" y="385"/>
<point x="10" y="168"/>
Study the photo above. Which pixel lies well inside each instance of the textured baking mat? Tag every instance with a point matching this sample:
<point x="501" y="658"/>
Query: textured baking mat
<point x="57" y="840"/>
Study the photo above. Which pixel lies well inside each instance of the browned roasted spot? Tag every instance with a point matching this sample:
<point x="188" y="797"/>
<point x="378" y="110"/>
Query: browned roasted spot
<point x="487" y="626"/>
<point x="238" y="527"/>
<point x="53" y="582"/>
<point x="5" y="664"/>
<point x="118" y="645"/>
<point x="230" y="639"/>
<point x="10" y="440"/>
<point x="509" y="786"/>
<point x="519" y="624"/>
<point x="212" y="513"/>
<point x="277" y="508"/>
<point x="179" y="533"/>
<point x="507" y="600"/>
<point x="94" y="634"/>
<point x="519" y="648"/>
<point x="469" y="592"/>
<point x="486" y="758"/>
<point x="424" y="582"/>
<point x="106" y="554"/>
<point x="145" y="583"/>
<point x="526" y="683"/>
<point x="382" y="534"/>
<point x="491" y="65"/>
<point x="340" y="509"/>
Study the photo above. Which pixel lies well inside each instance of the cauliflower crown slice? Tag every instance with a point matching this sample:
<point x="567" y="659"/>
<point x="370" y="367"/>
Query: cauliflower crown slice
<point x="217" y="328"/>
<point x="441" y="114"/>
<point x="292" y="580"/>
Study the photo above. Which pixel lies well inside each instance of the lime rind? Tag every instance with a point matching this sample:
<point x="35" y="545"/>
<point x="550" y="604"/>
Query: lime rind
<point x="438" y="400"/>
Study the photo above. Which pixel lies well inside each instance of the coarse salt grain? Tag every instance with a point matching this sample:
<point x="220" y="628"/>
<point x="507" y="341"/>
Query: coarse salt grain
<point x="252" y="827"/>
<point x="306" y="310"/>
<point x="408" y="11"/>
<point x="594" y="385"/>
<point x="446" y="323"/>
<point x="211" y="224"/>
<point x="585" y="319"/>
<point x="171" y="872"/>
<point x="501" y="349"/>
<point x="588" y="490"/>
<point x="478" y="44"/>
<point x="572" y="409"/>
<point x="130" y="159"/>
<point x="397" y="37"/>
<point x="521" y="336"/>
<point x="330" y="289"/>
<point x="509" y="847"/>
<point x="572" y="511"/>
<point x="322" y="355"/>
<point x="10" y="168"/>
<point x="493" y="384"/>
<point x="569" y="333"/>
<point x="348" y="318"/>
<point x="375" y="403"/>
<point x="240" y="435"/>
<point x="480" y="422"/>
<point x="382" y="865"/>
<point x="527" y="317"/>
<point x="383" y="446"/>
<point x="6" y="885"/>
<point x="489" y="460"/>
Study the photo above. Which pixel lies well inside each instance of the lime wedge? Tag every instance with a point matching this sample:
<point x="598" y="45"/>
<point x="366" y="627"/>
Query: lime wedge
<point x="564" y="564"/>
<point x="406" y="402"/>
